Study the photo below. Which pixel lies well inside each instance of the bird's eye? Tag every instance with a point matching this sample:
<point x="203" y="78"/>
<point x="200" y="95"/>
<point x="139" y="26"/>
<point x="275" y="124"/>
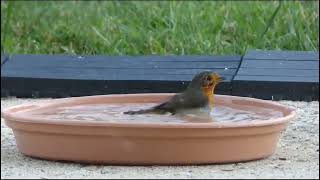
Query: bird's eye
<point x="209" y="78"/>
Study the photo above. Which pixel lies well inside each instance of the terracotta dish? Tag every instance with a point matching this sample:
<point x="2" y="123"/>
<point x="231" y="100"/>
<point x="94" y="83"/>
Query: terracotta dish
<point x="156" y="143"/>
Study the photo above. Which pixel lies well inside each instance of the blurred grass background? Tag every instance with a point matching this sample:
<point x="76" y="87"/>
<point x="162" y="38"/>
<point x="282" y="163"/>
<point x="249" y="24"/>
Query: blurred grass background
<point x="157" y="27"/>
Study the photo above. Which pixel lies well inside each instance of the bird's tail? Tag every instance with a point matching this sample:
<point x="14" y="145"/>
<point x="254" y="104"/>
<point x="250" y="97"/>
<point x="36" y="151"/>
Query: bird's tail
<point x="143" y="111"/>
<point x="154" y="110"/>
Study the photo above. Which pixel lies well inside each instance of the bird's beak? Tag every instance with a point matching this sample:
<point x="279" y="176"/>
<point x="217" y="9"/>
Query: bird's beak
<point x="222" y="78"/>
<point x="218" y="77"/>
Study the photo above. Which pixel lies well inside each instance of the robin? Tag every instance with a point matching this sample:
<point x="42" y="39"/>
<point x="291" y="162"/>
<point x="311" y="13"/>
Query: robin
<point x="198" y="96"/>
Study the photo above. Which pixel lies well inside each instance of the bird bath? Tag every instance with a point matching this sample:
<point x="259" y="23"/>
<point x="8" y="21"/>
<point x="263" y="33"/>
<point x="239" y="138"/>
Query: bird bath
<point x="93" y="129"/>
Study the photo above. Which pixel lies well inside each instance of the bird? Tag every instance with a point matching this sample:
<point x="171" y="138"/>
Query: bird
<point x="198" y="96"/>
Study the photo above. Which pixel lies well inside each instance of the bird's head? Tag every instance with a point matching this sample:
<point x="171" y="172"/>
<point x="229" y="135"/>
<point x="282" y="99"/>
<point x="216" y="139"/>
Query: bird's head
<point x="206" y="80"/>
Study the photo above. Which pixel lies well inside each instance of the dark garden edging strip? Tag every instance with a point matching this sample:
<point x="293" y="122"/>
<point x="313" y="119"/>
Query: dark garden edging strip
<point x="287" y="75"/>
<point x="267" y="75"/>
<point x="63" y="75"/>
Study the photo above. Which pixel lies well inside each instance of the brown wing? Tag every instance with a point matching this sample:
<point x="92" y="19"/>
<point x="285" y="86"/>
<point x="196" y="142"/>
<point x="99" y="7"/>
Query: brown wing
<point x="182" y="101"/>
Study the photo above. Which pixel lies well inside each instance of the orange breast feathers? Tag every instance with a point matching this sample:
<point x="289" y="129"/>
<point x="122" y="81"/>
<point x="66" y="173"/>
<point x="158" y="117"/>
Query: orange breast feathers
<point x="209" y="91"/>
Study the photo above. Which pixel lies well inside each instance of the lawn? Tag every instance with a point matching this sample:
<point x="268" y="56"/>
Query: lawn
<point x="164" y="28"/>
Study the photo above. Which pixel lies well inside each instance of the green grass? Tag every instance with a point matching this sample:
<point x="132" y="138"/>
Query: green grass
<point x="167" y="27"/>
